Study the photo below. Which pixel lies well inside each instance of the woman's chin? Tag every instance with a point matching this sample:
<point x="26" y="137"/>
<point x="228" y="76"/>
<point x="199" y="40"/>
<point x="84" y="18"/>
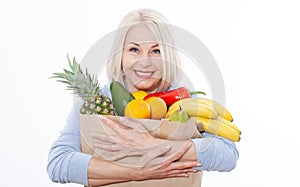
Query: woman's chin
<point x="142" y="87"/>
<point x="145" y="86"/>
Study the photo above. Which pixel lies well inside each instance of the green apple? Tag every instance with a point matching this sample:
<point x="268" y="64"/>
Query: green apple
<point x="180" y="115"/>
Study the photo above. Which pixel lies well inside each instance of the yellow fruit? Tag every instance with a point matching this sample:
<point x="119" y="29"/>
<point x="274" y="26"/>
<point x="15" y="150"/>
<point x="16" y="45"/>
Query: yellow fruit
<point x="221" y="110"/>
<point x="230" y="124"/>
<point x="137" y="108"/>
<point x="140" y="94"/>
<point x="218" y="127"/>
<point x="158" y="107"/>
<point x="194" y="108"/>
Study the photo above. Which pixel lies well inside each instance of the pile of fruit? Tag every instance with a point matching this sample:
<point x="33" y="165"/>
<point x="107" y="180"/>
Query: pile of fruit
<point x="175" y="105"/>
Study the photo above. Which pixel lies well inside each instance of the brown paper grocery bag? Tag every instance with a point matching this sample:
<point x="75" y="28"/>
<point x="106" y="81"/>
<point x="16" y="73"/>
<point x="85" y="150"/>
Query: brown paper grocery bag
<point x="158" y="128"/>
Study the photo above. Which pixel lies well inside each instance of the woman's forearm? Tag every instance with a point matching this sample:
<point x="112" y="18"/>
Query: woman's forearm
<point x="213" y="152"/>
<point x="152" y="165"/>
<point x="190" y="155"/>
<point x="101" y="172"/>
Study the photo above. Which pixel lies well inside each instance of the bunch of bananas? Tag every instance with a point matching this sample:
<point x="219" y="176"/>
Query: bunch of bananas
<point x="215" y="119"/>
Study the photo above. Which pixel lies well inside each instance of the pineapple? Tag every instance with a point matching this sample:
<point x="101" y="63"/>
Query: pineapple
<point x="85" y="86"/>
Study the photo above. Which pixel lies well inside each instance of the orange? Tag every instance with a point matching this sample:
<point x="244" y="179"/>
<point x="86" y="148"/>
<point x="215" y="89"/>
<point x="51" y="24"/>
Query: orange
<point x="158" y="107"/>
<point x="140" y="94"/>
<point x="137" y="108"/>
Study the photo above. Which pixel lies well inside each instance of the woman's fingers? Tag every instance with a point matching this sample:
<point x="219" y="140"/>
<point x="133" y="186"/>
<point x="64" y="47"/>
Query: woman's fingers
<point x="118" y="156"/>
<point x="103" y="138"/>
<point x="182" y="165"/>
<point x="177" y="155"/>
<point x="172" y="172"/>
<point x="111" y="124"/>
<point x="123" y="154"/>
<point x="153" y="154"/>
<point x="178" y="175"/>
<point x="133" y="124"/>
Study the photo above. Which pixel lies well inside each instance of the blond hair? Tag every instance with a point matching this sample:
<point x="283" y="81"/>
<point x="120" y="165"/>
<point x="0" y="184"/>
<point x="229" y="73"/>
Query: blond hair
<point x="161" y="30"/>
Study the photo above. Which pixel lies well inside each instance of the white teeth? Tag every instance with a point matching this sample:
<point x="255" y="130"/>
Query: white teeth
<point x="145" y="74"/>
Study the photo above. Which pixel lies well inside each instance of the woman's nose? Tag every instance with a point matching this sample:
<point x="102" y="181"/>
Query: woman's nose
<point x="145" y="55"/>
<point x="146" y="59"/>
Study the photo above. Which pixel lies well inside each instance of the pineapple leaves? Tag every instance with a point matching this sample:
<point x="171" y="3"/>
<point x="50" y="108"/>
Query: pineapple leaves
<point x="68" y="72"/>
<point x="82" y="84"/>
<point x="66" y="82"/>
<point x="85" y="86"/>
<point x="58" y="75"/>
<point x="74" y="65"/>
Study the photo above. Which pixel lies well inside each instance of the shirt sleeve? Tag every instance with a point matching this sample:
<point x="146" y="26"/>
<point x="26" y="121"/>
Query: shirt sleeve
<point x="216" y="153"/>
<point x="66" y="162"/>
<point x="105" y="90"/>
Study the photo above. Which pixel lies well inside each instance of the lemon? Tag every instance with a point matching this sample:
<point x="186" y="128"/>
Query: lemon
<point x="138" y="108"/>
<point x="158" y="107"/>
<point x="140" y="94"/>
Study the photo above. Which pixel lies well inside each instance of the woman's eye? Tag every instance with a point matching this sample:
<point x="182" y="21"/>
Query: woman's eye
<point x="156" y="51"/>
<point x="134" y="50"/>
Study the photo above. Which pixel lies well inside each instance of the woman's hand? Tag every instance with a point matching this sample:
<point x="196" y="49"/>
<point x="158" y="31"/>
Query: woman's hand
<point x="133" y="141"/>
<point x="153" y="165"/>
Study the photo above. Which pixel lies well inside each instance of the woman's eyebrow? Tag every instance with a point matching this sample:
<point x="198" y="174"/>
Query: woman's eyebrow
<point x="156" y="45"/>
<point x="137" y="44"/>
<point x="133" y="43"/>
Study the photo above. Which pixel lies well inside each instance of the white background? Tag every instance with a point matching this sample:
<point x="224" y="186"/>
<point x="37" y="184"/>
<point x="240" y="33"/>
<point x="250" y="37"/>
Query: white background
<point x="255" y="43"/>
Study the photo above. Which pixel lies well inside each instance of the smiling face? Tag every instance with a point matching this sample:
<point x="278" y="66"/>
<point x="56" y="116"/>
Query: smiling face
<point x="141" y="60"/>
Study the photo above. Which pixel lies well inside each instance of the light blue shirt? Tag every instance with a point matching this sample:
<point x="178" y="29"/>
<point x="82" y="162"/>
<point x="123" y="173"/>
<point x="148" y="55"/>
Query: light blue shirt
<point x="66" y="162"/>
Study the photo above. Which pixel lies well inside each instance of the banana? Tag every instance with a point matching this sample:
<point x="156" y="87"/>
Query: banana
<point x="215" y="126"/>
<point x="221" y="110"/>
<point x="230" y="124"/>
<point x="193" y="107"/>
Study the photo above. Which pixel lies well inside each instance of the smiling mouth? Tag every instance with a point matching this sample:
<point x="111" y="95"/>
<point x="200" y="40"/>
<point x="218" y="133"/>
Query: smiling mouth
<point x="144" y="74"/>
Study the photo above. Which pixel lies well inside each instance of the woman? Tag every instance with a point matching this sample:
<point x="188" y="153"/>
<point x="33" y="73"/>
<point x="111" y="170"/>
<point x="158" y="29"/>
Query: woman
<point x="143" y="58"/>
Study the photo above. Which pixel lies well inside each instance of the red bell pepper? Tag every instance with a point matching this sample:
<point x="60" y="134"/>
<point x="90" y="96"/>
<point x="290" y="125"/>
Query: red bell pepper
<point x="172" y="96"/>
